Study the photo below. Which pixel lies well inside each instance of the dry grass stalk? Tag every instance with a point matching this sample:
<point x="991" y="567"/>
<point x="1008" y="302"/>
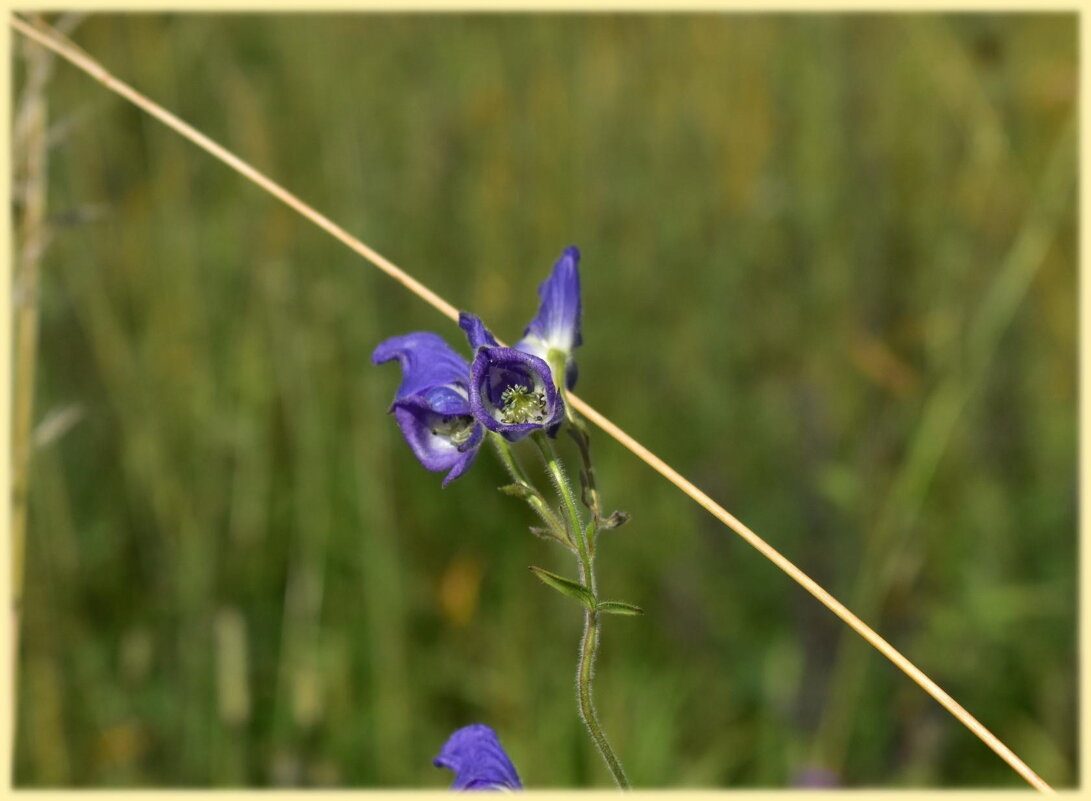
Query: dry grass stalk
<point x="68" y="50"/>
<point x="30" y="168"/>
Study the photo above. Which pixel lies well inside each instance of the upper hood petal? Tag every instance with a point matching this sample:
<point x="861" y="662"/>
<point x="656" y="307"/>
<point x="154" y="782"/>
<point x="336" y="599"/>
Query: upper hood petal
<point x="427" y="361"/>
<point x="478" y="760"/>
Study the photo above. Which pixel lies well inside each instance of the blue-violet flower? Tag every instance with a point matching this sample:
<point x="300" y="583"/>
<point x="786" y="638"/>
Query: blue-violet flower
<point x="511" y="392"/>
<point x="478" y="760"/>
<point x="556" y="327"/>
<point x="432" y="404"/>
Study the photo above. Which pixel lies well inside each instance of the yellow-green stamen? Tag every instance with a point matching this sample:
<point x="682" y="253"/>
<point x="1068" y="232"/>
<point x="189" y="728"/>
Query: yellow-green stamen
<point x="520" y="405"/>
<point x="455" y="427"/>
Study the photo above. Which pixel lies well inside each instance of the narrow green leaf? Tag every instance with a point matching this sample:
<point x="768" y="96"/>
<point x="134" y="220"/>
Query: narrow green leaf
<point x="548" y="534"/>
<point x="619" y="608"/>
<point x="565" y="586"/>
<point x="516" y="490"/>
<point x="539" y="506"/>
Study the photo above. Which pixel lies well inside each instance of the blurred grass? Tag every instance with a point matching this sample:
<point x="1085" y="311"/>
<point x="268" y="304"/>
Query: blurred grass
<point x="237" y="573"/>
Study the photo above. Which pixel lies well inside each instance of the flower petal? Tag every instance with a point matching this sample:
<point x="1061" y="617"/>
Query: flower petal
<point x="427" y="361"/>
<point x="478" y="760"/>
<point x="439" y="430"/>
<point x="496" y="371"/>
<point x="446" y="400"/>
<point x="469" y="453"/>
<point x="557" y="324"/>
<point x="476" y="331"/>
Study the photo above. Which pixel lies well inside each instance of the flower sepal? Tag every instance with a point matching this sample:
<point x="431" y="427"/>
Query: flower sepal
<point x="555" y="329"/>
<point x="431" y="405"/>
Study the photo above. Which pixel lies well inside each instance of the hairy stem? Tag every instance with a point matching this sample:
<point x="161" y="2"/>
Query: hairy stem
<point x="585" y="668"/>
<point x="584" y="673"/>
<point x="560" y="481"/>
<point x="534" y="498"/>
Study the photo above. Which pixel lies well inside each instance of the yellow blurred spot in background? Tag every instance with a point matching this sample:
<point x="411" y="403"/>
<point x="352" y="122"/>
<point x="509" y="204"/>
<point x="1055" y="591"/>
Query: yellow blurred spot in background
<point x="459" y="588"/>
<point x="121" y="744"/>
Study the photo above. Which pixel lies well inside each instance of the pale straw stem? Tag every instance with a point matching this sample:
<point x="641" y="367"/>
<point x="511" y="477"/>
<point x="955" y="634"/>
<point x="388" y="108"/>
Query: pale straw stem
<point x="72" y="53"/>
<point x="31" y="152"/>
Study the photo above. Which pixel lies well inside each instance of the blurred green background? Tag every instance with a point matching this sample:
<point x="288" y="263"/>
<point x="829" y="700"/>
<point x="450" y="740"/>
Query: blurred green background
<point x="829" y="274"/>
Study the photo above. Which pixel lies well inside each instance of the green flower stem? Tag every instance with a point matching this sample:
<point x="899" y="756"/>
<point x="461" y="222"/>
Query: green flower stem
<point x="588" y="651"/>
<point x="591" y="499"/>
<point x="560" y="481"/>
<point x="578" y="430"/>
<point x="507" y="457"/>
<point x="590" y="640"/>
<point x="518" y="475"/>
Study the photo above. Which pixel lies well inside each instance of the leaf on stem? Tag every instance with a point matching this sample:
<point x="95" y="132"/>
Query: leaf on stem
<point x="517" y="490"/>
<point x="549" y="534"/>
<point x="567" y="587"/>
<point x="619" y="608"/>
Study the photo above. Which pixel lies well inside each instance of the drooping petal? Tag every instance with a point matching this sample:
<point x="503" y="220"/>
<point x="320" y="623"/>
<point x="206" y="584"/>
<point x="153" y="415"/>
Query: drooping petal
<point x="478" y="760"/>
<point x="427" y="361"/>
<point x="557" y="324"/>
<point x="469" y="453"/>
<point x="476" y="331"/>
<point x="512" y="393"/>
<point x="439" y="429"/>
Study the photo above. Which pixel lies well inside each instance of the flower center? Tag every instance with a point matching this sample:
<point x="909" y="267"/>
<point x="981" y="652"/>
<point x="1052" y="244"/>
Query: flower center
<point x="520" y="405"/>
<point x="455" y="427"/>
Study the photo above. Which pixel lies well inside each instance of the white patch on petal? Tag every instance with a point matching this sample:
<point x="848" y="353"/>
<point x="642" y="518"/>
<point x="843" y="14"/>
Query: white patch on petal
<point x="534" y="346"/>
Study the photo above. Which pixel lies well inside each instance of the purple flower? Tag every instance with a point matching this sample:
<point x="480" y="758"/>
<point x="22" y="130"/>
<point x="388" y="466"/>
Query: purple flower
<point x="476" y="332"/>
<point x="511" y="392"/>
<point x="557" y="324"/>
<point x="432" y="404"/>
<point x="475" y="755"/>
